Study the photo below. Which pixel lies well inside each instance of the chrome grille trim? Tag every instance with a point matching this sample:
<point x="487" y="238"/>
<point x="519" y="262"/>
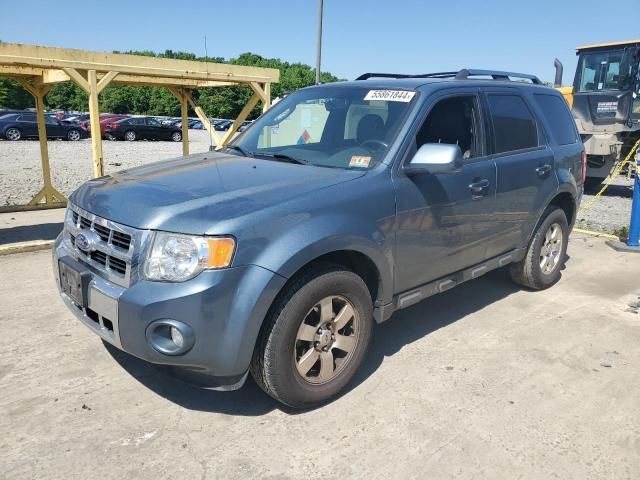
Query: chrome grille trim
<point x="110" y="259"/>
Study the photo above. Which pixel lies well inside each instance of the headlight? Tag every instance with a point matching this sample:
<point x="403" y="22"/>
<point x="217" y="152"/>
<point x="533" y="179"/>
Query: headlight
<point x="176" y="258"/>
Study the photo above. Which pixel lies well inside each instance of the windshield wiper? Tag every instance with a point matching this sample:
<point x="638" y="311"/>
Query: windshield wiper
<point x="281" y="157"/>
<point x="238" y="148"/>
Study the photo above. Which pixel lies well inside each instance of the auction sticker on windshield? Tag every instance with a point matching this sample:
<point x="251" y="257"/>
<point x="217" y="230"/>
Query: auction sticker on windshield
<point x="390" y="95"/>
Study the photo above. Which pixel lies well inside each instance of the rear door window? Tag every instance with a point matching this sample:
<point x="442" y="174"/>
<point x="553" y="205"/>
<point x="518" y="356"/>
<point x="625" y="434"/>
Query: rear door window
<point x="514" y="127"/>
<point x="556" y="113"/>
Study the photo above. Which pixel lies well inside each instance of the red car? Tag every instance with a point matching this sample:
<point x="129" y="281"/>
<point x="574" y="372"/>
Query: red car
<point x="105" y="119"/>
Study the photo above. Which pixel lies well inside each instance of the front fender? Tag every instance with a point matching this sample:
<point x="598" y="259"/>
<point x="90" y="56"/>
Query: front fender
<point x="320" y="235"/>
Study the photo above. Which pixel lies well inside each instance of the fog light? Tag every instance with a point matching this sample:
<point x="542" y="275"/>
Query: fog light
<point x="170" y="337"/>
<point x="177" y="337"/>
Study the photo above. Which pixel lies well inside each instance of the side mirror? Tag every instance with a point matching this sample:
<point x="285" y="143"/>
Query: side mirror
<point x="435" y="158"/>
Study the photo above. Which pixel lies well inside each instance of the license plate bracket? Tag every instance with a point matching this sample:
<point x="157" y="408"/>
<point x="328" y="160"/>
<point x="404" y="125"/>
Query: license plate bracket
<point x="74" y="280"/>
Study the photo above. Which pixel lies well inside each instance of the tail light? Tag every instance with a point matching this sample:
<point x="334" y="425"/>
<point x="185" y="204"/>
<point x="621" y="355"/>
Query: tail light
<point x="584" y="165"/>
<point x="112" y="126"/>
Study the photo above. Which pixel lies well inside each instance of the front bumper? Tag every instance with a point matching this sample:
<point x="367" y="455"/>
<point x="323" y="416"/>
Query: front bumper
<point x="225" y="309"/>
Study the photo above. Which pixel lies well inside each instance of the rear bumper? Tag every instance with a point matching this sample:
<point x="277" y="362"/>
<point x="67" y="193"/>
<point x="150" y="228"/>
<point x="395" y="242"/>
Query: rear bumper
<point x="224" y="309"/>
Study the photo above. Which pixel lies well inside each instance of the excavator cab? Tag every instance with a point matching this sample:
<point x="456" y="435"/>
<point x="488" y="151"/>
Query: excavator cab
<point x="605" y="102"/>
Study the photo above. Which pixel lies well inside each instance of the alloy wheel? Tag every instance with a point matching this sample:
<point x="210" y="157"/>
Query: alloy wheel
<point x="326" y="340"/>
<point x="73" y="135"/>
<point x="551" y="249"/>
<point x="13" y="134"/>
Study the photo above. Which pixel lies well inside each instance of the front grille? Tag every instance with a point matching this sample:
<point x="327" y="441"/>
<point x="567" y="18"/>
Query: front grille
<point x="114" y="237"/>
<point x="111" y="247"/>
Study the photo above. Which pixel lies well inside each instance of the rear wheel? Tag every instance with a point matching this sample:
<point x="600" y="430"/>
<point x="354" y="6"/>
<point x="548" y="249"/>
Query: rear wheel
<point x="315" y="338"/>
<point x="130" y="136"/>
<point x="13" y="134"/>
<point x="73" y="135"/>
<point x="176" y="136"/>
<point x="546" y="254"/>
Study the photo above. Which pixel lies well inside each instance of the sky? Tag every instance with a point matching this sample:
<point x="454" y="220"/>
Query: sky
<point x="404" y="36"/>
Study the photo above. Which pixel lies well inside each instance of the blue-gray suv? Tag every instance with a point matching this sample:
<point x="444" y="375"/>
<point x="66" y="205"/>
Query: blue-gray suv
<point x="343" y="203"/>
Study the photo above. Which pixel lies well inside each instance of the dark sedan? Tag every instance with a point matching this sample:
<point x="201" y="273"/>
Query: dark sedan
<point x="24" y="125"/>
<point x="142" y="128"/>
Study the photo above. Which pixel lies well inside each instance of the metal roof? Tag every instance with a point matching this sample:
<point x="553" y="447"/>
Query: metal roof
<point x="610" y="44"/>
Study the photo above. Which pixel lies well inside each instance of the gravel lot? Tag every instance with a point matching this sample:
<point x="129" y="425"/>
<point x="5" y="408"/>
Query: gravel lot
<point x="611" y="211"/>
<point x="20" y="173"/>
<point x="71" y="164"/>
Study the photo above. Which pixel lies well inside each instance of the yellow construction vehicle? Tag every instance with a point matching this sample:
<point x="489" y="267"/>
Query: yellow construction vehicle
<point x="605" y="102"/>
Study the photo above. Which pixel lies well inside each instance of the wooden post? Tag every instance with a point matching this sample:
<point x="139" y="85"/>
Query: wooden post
<point x="185" y="123"/>
<point x="49" y="194"/>
<point x="266" y="103"/>
<point x="94" y="119"/>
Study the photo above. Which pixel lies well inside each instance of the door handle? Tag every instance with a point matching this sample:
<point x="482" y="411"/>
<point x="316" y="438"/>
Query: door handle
<point x="542" y="170"/>
<point x="479" y="186"/>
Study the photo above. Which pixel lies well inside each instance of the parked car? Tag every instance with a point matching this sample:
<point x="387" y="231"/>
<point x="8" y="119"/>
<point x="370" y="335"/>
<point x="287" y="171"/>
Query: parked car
<point x="245" y="125"/>
<point x="104" y="123"/>
<point x="340" y="205"/>
<point x="16" y="126"/>
<point x="223" y="125"/>
<point x="142" y="128"/>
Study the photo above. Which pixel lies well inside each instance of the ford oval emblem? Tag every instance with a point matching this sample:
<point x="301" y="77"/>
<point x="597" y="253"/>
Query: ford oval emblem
<point x="86" y="241"/>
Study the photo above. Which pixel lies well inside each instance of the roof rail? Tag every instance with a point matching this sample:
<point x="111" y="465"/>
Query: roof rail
<point x="496" y="75"/>
<point x="463" y="74"/>
<point x="366" y="76"/>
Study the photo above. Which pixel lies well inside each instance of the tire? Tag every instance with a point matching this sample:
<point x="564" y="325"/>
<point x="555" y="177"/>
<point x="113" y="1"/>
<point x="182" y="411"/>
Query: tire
<point x="176" y="136"/>
<point x="73" y="135"/>
<point x="277" y="364"/>
<point x="130" y="136"/>
<point x="13" y="134"/>
<point x="546" y="254"/>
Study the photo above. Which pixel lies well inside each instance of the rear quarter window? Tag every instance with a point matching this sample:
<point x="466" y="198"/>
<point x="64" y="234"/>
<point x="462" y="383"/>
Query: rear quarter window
<point x="556" y="113"/>
<point x="514" y="127"/>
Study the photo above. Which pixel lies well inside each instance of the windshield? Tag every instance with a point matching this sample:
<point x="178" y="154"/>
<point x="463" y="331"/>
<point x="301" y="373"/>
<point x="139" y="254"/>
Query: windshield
<point x="330" y="126"/>
<point x="604" y="71"/>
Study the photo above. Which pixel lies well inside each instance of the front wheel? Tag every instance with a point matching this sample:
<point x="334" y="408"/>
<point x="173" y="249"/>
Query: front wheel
<point x="546" y="253"/>
<point x="315" y="338"/>
<point x="13" y="134"/>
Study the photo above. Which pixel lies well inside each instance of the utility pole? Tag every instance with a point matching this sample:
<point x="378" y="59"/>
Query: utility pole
<point x="319" y="48"/>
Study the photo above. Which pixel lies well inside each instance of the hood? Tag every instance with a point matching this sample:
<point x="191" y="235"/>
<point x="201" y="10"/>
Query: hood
<point x="190" y="194"/>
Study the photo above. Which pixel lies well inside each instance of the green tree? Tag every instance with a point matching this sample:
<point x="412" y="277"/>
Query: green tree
<point x="12" y="95"/>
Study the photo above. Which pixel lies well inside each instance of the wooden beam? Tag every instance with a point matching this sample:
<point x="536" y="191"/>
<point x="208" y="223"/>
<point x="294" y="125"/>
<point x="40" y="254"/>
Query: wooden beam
<point x="244" y="113"/>
<point x="104" y="81"/>
<point x="258" y="89"/>
<point x="213" y="135"/>
<point x="52" y="76"/>
<point x="60" y="58"/>
<point x="78" y="79"/>
<point x="94" y="120"/>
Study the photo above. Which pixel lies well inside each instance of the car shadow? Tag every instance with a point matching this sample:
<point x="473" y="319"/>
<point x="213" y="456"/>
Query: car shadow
<point x="621" y="191"/>
<point x="405" y="327"/>
<point x="25" y="233"/>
